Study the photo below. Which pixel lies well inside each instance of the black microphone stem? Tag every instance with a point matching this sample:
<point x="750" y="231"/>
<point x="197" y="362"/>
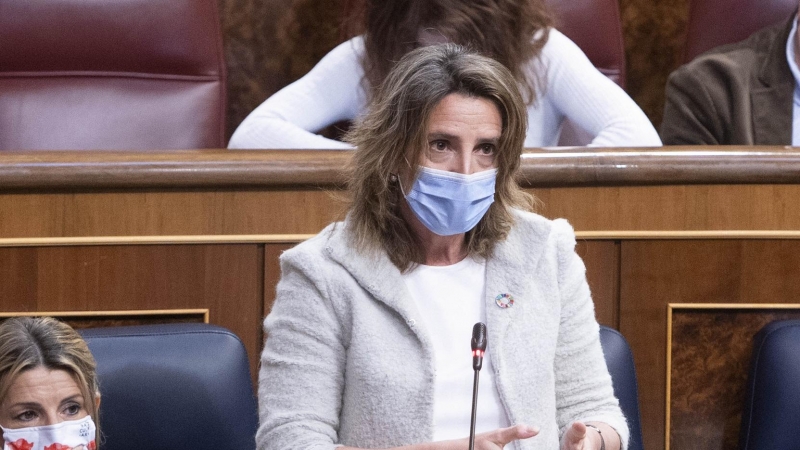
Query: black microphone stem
<point x="474" y="410"/>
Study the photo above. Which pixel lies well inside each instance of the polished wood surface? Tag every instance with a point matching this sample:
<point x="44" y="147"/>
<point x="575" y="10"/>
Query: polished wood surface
<point x="540" y="168"/>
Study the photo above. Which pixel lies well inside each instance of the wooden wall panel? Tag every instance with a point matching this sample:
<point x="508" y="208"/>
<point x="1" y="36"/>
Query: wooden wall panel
<point x="710" y="355"/>
<point x="226" y="279"/>
<point x="602" y="272"/>
<point x="654" y="33"/>
<point x="167" y="213"/>
<point x="656" y="273"/>
<point x="686" y="207"/>
<point x="95" y="319"/>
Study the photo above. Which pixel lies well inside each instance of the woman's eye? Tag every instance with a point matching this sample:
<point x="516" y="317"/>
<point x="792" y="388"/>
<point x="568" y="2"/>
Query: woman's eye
<point x="439" y="145"/>
<point x="72" y="409"/>
<point x="26" y="416"/>
<point x="486" y="149"/>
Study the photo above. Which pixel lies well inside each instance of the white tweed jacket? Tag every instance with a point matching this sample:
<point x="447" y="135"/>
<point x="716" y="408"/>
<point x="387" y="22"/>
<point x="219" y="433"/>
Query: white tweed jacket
<point x="347" y="363"/>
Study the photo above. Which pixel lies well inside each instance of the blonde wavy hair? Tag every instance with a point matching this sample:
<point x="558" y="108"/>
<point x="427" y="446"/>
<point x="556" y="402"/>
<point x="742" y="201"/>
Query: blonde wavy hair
<point x="27" y="343"/>
<point x="393" y="133"/>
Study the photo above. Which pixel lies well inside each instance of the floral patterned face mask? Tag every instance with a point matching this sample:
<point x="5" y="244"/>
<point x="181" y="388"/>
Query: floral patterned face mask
<point x="69" y="435"/>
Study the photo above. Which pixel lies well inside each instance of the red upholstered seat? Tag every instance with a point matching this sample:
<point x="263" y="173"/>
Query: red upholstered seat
<point x="596" y="27"/>
<point x="121" y="74"/>
<point x="717" y="22"/>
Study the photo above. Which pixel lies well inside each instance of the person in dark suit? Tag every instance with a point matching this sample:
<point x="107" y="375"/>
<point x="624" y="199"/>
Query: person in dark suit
<point x="737" y="94"/>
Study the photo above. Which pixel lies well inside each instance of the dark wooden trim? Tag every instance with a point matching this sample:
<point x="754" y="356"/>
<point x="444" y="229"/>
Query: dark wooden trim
<point x="216" y="169"/>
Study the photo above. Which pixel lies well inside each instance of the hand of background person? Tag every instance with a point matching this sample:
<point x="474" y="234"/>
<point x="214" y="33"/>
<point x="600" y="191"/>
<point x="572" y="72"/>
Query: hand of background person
<point x="579" y="437"/>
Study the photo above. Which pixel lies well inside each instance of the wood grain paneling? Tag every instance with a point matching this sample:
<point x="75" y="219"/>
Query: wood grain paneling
<point x="710" y="356"/>
<point x="226" y="279"/>
<point x="103" y="319"/>
<point x="656" y="208"/>
<point x="602" y="272"/>
<point x="656" y="273"/>
<point x="166" y="213"/>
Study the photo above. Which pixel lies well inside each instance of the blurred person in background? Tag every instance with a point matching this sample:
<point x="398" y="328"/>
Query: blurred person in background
<point x="557" y="79"/>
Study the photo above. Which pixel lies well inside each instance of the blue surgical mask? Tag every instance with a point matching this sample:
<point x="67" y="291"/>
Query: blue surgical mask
<point x="449" y="203"/>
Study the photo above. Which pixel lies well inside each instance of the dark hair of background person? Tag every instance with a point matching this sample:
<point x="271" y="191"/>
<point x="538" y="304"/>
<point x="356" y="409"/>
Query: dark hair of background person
<point x="30" y="342"/>
<point x="393" y="133"/>
<point x="505" y="30"/>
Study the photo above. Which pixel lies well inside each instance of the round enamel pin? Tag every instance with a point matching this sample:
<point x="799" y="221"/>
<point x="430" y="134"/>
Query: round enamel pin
<point x="504" y="300"/>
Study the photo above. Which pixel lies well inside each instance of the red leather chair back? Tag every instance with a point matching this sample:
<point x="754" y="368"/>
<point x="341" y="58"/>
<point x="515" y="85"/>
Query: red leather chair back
<point x="717" y="22"/>
<point x="596" y="27"/>
<point x="121" y="74"/>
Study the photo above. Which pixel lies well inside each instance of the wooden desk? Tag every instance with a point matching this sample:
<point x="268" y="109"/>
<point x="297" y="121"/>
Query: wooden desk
<point x="162" y="234"/>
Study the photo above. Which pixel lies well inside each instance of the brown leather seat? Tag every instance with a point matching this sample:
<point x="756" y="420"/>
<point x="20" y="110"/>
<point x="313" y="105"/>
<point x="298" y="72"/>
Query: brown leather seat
<point x="121" y="74"/>
<point x="596" y="27"/>
<point x="717" y="22"/>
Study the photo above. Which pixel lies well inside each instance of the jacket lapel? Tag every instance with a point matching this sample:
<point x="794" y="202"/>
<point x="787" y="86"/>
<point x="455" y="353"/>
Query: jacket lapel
<point x="772" y="102"/>
<point x="518" y="254"/>
<point x="375" y="273"/>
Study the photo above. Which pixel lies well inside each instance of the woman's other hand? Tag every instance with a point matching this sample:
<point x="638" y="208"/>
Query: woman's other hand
<point x="497" y="439"/>
<point x="580" y="437"/>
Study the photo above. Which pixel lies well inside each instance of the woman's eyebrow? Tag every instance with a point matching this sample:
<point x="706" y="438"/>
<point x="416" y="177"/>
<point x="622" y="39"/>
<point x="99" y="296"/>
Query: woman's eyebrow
<point x="73" y="398"/>
<point x="444" y="136"/>
<point x="30" y="405"/>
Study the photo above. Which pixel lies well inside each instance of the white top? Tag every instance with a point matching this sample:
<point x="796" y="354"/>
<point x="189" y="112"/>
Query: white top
<point x="450" y="302"/>
<point x="790" y="52"/>
<point x="333" y="91"/>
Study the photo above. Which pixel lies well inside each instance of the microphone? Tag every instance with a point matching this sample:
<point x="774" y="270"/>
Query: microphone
<point x="478" y="349"/>
<point x="478" y="345"/>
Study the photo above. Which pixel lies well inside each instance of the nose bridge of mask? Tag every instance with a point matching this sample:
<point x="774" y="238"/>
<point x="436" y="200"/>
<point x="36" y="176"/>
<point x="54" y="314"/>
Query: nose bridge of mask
<point x="456" y="186"/>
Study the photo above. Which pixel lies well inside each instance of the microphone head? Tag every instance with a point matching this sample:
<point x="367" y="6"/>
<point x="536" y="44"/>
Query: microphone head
<point x="479" y="337"/>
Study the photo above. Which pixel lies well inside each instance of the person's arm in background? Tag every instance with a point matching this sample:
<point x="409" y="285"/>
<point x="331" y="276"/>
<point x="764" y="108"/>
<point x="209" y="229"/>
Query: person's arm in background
<point x="331" y="92"/>
<point x="590" y="99"/>
<point x="690" y="116"/>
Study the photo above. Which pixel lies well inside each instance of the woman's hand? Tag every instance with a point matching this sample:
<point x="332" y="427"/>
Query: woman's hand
<point x="497" y="439"/>
<point x="579" y="437"/>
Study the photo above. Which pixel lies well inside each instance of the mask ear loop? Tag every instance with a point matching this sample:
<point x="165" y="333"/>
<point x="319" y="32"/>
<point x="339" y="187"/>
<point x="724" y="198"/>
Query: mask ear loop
<point x="393" y="178"/>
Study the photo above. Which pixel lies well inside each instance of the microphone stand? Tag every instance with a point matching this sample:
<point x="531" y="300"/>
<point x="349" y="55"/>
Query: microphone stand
<point x="474" y="409"/>
<point x="478" y="349"/>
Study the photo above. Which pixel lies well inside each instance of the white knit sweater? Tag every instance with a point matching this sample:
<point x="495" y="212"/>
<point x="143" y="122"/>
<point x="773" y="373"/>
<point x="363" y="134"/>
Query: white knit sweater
<point x="333" y="91"/>
<point x="348" y="362"/>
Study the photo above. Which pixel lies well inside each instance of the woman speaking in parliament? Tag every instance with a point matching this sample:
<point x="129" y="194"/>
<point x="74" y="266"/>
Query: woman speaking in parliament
<point x="367" y="339"/>
<point x="49" y="394"/>
<point x="557" y="79"/>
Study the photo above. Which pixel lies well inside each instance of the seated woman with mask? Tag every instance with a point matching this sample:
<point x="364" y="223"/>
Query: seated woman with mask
<point x="368" y="335"/>
<point x="49" y="394"/>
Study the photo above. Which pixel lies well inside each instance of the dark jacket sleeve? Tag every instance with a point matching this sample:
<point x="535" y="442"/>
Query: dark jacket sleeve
<point x="691" y="116"/>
